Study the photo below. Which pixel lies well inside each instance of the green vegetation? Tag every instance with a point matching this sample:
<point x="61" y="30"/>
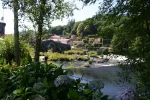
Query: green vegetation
<point x="126" y="23"/>
<point x="60" y="57"/>
<point x="7" y="50"/>
<point x="64" y="57"/>
<point x="79" y="52"/>
<point x="92" y="53"/>
<point x="131" y="28"/>
<point x="43" y="81"/>
<point x="90" y="61"/>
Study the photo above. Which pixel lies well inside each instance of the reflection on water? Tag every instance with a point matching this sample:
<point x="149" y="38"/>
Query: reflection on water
<point x="107" y="72"/>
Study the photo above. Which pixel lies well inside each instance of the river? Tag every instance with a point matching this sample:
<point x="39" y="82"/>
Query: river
<point x="107" y="72"/>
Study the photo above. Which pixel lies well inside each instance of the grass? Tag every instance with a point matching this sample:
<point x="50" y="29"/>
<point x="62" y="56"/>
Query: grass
<point x="92" y="53"/>
<point x="60" y="57"/>
<point x="63" y="57"/>
<point x="79" y="52"/>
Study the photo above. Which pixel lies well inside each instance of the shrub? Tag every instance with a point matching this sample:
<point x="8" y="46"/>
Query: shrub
<point x="82" y="58"/>
<point x="60" y="57"/>
<point x="85" y="40"/>
<point x="7" y="49"/>
<point x="105" y="51"/>
<point x="97" y="45"/>
<point x="44" y="81"/>
<point x="92" y="53"/>
<point x="90" y="61"/>
<point x="79" y="52"/>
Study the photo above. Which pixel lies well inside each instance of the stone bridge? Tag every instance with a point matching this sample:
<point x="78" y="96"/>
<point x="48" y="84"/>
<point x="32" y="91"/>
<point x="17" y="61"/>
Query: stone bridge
<point x="54" y="46"/>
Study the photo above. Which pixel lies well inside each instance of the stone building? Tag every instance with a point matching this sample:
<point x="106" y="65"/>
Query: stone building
<point x="2" y="28"/>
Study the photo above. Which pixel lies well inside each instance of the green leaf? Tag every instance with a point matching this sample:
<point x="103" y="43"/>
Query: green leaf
<point x="87" y="91"/>
<point x="73" y="95"/>
<point x="104" y="97"/>
<point x="17" y="91"/>
<point x="45" y="82"/>
<point x="28" y="89"/>
<point x="1" y="61"/>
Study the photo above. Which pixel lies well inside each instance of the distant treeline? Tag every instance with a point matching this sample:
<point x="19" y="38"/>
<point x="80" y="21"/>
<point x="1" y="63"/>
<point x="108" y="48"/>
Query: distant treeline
<point x="97" y="25"/>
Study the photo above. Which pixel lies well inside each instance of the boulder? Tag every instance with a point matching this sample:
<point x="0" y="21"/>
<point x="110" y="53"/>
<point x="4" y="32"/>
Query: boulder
<point x="87" y="65"/>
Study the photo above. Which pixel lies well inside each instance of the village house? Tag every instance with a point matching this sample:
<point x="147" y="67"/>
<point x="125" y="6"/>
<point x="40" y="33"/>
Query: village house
<point x="60" y="39"/>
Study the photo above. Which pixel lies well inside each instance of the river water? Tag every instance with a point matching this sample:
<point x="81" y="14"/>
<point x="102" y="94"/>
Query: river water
<point x="107" y="72"/>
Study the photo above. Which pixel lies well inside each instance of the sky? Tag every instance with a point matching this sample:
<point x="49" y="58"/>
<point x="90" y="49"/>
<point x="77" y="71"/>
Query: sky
<point x="79" y="15"/>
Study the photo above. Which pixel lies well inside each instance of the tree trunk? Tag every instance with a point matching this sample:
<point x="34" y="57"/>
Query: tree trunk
<point x="40" y="31"/>
<point x="16" y="34"/>
<point x="38" y="43"/>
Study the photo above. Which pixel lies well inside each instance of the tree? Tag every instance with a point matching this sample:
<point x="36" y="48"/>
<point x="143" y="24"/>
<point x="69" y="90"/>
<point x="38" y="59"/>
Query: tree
<point x="16" y="9"/>
<point x="74" y="30"/>
<point x="58" y="30"/>
<point x="80" y="29"/>
<point x="133" y="34"/>
<point x="107" y="32"/>
<point x="39" y="12"/>
<point x="70" y="25"/>
<point x="16" y="33"/>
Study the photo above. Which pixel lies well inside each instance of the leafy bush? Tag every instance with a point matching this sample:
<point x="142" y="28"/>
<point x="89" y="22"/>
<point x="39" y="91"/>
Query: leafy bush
<point x="85" y="40"/>
<point x="82" y="58"/>
<point x="65" y="57"/>
<point x="79" y="52"/>
<point x="97" y="44"/>
<point x="90" y="61"/>
<point x="60" y="57"/>
<point x="105" y="51"/>
<point x="92" y="53"/>
<point x="42" y="81"/>
<point x="7" y="50"/>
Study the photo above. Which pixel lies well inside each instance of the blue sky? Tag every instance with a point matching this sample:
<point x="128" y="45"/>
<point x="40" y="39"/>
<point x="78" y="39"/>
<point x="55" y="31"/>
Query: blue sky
<point x="79" y="15"/>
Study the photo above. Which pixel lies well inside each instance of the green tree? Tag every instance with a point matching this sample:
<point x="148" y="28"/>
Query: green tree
<point x="16" y="32"/>
<point x="80" y="29"/>
<point x="39" y="12"/>
<point x="74" y="30"/>
<point x="70" y="25"/>
<point x="89" y="26"/>
<point x="107" y="32"/>
<point x="133" y="34"/>
<point x="27" y="35"/>
<point x="15" y="6"/>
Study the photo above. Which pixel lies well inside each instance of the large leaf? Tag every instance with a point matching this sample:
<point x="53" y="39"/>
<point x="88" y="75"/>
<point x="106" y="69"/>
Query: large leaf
<point x="73" y="95"/>
<point x="1" y="61"/>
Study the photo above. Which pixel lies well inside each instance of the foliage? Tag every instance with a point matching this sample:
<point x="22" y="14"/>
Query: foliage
<point x="80" y="29"/>
<point x="85" y="40"/>
<point x="58" y="30"/>
<point x="74" y="30"/>
<point x="107" y="31"/>
<point x="90" y="61"/>
<point x="70" y="25"/>
<point x="79" y="52"/>
<point x="105" y="51"/>
<point x="82" y="58"/>
<point x="92" y="53"/>
<point x="27" y="35"/>
<point x="132" y="35"/>
<point x="65" y="57"/>
<point x="60" y="57"/>
<point x="43" y="12"/>
<point x="7" y="50"/>
<point x="43" y="81"/>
